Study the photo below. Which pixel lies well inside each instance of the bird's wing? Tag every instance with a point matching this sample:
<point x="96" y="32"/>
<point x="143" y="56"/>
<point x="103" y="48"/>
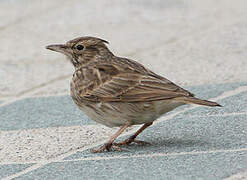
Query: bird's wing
<point x="111" y="83"/>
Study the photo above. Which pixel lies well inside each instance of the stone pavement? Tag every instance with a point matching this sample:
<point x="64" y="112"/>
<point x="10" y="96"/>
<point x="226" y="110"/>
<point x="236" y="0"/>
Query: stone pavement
<point x="200" y="45"/>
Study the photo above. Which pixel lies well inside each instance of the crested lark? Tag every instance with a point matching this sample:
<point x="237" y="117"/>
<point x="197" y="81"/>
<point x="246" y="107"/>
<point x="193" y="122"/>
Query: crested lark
<point x="116" y="91"/>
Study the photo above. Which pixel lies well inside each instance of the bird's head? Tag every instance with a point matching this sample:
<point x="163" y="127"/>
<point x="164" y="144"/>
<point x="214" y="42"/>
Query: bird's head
<point x="82" y="50"/>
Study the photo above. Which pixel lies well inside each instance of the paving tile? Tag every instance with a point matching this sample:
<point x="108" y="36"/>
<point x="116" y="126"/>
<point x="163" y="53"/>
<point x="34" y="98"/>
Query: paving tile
<point x="186" y="135"/>
<point x="233" y="104"/>
<point x="53" y="111"/>
<point x="182" y="134"/>
<point x="203" y="166"/>
<point x="190" y="43"/>
<point x="6" y="170"/>
<point x="41" y="112"/>
<point x="213" y="90"/>
<point x="34" y="145"/>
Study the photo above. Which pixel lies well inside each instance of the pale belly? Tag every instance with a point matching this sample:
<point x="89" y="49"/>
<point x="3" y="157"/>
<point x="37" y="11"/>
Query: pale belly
<point x="116" y="113"/>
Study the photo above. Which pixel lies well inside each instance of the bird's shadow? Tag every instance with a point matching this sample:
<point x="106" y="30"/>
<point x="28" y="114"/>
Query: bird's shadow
<point x="166" y="145"/>
<point x="178" y="142"/>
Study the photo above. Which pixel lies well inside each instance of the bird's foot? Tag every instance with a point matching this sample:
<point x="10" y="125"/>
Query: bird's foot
<point x="106" y="147"/>
<point x="131" y="140"/>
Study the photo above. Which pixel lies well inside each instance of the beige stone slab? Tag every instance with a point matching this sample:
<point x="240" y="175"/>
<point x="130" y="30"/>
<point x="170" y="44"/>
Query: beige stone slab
<point x="190" y="42"/>
<point x="43" y="144"/>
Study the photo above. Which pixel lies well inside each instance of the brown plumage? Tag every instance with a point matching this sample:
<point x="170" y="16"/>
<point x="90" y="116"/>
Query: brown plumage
<point x="117" y="91"/>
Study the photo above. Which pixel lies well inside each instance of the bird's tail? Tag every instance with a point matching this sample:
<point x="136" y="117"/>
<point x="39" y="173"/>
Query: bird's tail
<point x="193" y="100"/>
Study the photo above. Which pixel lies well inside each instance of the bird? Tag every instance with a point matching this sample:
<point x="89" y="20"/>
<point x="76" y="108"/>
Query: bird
<point x="119" y="92"/>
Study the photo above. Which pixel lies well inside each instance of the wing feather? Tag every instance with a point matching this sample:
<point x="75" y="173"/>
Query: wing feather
<point x="121" y="84"/>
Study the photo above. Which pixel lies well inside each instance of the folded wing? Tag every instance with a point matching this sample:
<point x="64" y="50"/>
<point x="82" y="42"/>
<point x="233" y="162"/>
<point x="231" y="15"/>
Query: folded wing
<point x="113" y="84"/>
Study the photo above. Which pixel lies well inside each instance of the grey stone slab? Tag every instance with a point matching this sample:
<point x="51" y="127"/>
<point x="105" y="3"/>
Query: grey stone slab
<point x="233" y="104"/>
<point x="203" y="166"/>
<point x="213" y="90"/>
<point x="41" y="112"/>
<point x="207" y="92"/>
<point x="175" y="136"/>
<point x="6" y="170"/>
<point x="189" y="42"/>
<point x="183" y="134"/>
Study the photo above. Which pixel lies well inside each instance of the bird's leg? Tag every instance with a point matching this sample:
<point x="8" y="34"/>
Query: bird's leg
<point x="109" y="145"/>
<point x="132" y="138"/>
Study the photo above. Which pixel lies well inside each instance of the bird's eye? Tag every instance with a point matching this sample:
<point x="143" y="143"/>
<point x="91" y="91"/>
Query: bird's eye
<point x="79" y="47"/>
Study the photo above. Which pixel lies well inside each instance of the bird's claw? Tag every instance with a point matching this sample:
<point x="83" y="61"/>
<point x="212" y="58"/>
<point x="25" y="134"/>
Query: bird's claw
<point x="107" y="147"/>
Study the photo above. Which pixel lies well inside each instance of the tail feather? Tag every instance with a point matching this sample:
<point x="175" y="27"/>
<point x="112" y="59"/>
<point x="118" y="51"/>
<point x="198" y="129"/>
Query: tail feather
<point x="193" y="100"/>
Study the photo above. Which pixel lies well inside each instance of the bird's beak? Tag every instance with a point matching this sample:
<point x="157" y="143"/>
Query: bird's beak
<point x="57" y="47"/>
